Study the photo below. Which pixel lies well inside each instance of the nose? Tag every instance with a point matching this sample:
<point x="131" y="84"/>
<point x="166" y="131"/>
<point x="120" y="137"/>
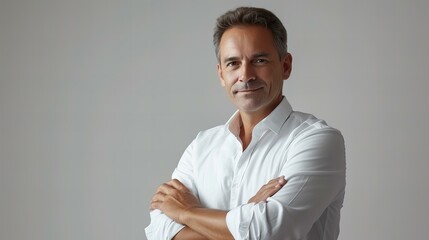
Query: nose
<point x="247" y="73"/>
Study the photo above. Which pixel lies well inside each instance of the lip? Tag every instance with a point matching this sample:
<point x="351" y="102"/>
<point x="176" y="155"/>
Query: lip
<point x="248" y="90"/>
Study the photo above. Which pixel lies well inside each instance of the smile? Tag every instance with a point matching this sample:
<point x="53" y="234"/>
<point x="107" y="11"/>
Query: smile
<point x="248" y="90"/>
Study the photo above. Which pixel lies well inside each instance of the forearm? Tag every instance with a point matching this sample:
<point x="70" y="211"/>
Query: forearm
<point x="188" y="234"/>
<point x="207" y="222"/>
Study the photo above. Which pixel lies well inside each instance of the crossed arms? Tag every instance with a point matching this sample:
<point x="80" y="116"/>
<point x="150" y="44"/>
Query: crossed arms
<point x="313" y="195"/>
<point x="178" y="203"/>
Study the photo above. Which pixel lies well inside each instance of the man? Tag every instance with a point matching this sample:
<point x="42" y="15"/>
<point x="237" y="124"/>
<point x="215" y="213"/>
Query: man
<point x="269" y="172"/>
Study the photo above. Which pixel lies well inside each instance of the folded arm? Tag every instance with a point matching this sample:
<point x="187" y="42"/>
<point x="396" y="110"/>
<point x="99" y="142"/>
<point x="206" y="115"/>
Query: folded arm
<point x="178" y="203"/>
<point x="316" y="178"/>
<point x="309" y="203"/>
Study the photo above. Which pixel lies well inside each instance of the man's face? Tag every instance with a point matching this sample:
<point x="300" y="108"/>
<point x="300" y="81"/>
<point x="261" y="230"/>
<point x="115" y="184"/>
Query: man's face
<point x="250" y="69"/>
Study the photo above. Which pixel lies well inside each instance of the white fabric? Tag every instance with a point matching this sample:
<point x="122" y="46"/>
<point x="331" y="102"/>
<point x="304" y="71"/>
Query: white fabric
<point x="304" y="149"/>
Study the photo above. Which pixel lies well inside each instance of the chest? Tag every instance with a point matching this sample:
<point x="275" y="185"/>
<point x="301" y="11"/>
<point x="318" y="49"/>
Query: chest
<point x="227" y="177"/>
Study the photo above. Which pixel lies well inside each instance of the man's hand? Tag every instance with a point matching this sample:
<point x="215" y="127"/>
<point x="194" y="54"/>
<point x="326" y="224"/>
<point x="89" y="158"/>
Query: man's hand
<point x="268" y="190"/>
<point x="174" y="199"/>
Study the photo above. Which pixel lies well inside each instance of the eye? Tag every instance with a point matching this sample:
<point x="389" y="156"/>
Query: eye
<point x="232" y="64"/>
<point x="260" y="61"/>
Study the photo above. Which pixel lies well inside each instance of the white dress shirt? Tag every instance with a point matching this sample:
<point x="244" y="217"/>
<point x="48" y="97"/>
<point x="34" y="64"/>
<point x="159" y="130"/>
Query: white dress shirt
<point x="304" y="149"/>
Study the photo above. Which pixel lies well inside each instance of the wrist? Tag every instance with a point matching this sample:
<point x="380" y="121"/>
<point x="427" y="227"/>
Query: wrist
<point x="185" y="216"/>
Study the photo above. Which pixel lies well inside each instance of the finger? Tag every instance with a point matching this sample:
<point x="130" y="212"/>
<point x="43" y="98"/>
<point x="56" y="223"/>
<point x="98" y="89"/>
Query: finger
<point x="154" y="205"/>
<point x="158" y="197"/>
<point x="275" y="183"/>
<point x="177" y="185"/>
<point x="274" y="186"/>
<point x="157" y="200"/>
<point x="281" y="181"/>
<point x="269" y="189"/>
<point x="165" y="188"/>
<point x="275" y="180"/>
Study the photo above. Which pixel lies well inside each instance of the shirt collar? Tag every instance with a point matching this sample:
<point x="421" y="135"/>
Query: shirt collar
<point x="274" y="121"/>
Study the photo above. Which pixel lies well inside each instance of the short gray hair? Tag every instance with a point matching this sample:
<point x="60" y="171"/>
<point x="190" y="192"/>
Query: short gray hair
<point x="251" y="16"/>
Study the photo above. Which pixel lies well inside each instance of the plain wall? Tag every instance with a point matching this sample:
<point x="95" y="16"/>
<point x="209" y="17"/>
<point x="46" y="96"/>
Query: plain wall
<point x="98" y="100"/>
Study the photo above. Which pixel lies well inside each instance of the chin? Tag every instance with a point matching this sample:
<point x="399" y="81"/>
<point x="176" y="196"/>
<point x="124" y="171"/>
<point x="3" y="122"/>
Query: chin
<point x="249" y="107"/>
<point x="253" y="105"/>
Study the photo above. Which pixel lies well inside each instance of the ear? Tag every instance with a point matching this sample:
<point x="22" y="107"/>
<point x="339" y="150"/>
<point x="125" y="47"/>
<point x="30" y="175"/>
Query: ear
<point x="287" y="66"/>
<point x="219" y="73"/>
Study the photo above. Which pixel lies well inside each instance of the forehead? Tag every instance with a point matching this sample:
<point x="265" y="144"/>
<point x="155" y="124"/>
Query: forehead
<point x="244" y="40"/>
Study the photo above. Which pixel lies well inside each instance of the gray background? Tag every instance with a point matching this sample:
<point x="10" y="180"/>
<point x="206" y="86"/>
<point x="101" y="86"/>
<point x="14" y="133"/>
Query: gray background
<point x="98" y="100"/>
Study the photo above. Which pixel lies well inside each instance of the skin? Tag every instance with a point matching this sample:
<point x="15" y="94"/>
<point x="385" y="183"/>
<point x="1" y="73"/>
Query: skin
<point x="252" y="74"/>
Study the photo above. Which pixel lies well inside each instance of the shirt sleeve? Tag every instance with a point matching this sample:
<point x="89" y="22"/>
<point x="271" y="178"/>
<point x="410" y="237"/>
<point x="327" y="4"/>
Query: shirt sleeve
<point x="315" y="170"/>
<point x="162" y="227"/>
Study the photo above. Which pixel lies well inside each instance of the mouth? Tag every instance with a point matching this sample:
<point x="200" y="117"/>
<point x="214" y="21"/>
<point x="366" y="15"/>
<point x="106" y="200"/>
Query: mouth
<point x="247" y="90"/>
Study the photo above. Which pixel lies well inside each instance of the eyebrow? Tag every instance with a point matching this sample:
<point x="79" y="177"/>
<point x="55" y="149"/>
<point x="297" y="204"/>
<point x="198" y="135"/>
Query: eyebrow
<point x="256" y="55"/>
<point x="228" y="59"/>
<point x="261" y="54"/>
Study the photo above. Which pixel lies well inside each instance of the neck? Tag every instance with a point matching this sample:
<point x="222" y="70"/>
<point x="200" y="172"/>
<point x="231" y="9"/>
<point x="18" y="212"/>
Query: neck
<point x="246" y="129"/>
<point x="250" y="120"/>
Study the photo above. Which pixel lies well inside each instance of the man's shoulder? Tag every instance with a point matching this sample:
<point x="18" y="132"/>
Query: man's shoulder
<point x="310" y="124"/>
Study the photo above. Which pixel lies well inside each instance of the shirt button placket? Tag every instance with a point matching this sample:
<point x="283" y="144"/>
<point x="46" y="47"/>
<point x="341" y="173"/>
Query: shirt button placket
<point x="235" y="179"/>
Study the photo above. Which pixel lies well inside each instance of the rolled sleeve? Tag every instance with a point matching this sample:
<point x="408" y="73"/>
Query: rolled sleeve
<point x="289" y="214"/>
<point x="239" y="220"/>
<point x="161" y="226"/>
<point x="273" y="219"/>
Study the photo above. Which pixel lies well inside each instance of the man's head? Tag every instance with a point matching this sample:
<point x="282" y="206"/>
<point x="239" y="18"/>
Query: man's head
<point x="251" y="16"/>
<point x="252" y="59"/>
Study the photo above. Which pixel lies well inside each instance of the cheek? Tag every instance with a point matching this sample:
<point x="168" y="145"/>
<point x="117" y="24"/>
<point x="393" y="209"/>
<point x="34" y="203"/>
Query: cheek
<point x="228" y="81"/>
<point x="274" y="82"/>
<point x="228" y="87"/>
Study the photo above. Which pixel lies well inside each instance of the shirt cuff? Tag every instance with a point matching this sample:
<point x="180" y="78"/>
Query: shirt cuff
<point x="238" y="221"/>
<point x="161" y="226"/>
